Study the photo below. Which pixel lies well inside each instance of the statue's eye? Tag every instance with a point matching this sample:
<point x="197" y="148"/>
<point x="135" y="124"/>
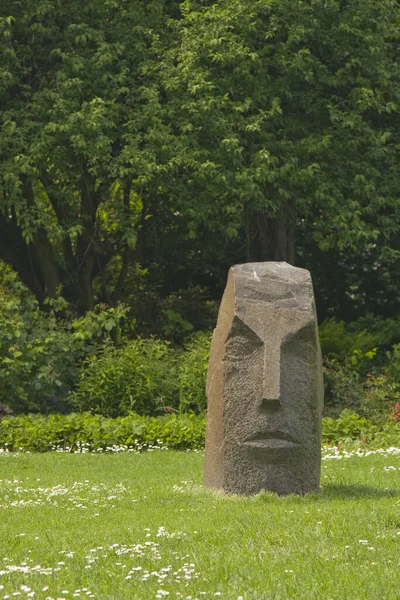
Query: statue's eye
<point x="301" y="345"/>
<point x="239" y="347"/>
<point x="242" y="342"/>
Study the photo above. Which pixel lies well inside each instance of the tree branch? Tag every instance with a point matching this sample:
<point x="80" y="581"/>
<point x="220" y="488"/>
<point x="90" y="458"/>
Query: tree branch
<point x="62" y="219"/>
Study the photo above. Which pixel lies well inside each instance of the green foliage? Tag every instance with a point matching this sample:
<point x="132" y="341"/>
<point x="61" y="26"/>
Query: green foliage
<point x="51" y="363"/>
<point x="174" y="317"/>
<point x="340" y="342"/>
<point x="343" y="386"/>
<point x="380" y="396"/>
<point x="284" y="104"/>
<point x="193" y="365"/>
<point x="40" y="353"/>
<point x="174" y="324"/>
<point x="145" y="375"/>
<point x="153" y="134"/>
<point x="392" y="368"/>
<point x="37" y="433"/>
<point x="139" y="376"/>
<point x="387" y="330"/>
<point x="79" y="141"/>
<point x="352" y="363"/>
<point x="349" y="425"/>
<point x="357" y="377"/>
<point x="373" y="396"/>
<point x="185" y="311"/>
<point x="88" y="432"/>
<point x="357" y="286"/>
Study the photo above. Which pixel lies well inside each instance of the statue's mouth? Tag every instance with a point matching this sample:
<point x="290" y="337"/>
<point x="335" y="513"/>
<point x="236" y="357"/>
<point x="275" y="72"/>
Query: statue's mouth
<point x="271" y="439"/>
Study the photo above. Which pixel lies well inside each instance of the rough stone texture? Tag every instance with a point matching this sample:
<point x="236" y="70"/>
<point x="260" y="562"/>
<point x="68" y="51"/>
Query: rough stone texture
<point x="265" y="387"/>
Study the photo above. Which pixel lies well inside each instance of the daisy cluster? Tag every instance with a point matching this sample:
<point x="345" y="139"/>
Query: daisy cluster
<point x="338" y="452"/>
<point x="136" y="448"/>
<point x="85" y="447"/>
<point x="131" y="563"/>
<point x="77" y="496"/>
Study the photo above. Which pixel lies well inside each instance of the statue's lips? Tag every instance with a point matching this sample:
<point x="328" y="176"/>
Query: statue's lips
<point x="271" y="439"/>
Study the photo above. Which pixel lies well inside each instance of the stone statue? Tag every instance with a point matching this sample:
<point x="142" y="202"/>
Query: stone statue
<point x="265" y="387"/>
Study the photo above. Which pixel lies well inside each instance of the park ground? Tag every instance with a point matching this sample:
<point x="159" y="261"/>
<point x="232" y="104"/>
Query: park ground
<point x="142" y="526"/>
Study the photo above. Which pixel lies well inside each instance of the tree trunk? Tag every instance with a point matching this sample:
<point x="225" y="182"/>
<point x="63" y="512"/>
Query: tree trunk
<point x="22" y="258"/>
<point x="272" y="237"/>
<point x="85" y="254"/>
<point x="85" y="284"/>
<point x="86" y="243"/>
<point x="43" y="250"/>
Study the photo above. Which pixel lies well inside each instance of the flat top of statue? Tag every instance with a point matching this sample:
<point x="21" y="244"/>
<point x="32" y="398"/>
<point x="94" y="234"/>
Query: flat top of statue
<point x="274" y="282"/>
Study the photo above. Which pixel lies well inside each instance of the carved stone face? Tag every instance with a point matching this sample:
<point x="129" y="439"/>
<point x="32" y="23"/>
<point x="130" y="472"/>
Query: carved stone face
<point x="265" y="373"/>
<point x="266" y="390"/>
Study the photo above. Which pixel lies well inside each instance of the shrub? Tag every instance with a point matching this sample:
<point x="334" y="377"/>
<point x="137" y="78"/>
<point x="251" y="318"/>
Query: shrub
<point x="38" y="433"/>
<point x="343" y="386"/>
<point x="392" y="367"/>
<point x="40" y="353"/>
<point x="348" y="425"/>
<point x="139" y="376"/>
<point x="174" y="317"/>
<point x="395" y="413"/>
<point x="88" y="432"/>
<point x="373" y="396"/>
<point x="193" y="365"/>
<point x="386" y="330"/>
<point x="30" y="349"/>
<point x="186" y="311"/>
<point x="53" y="363"/>
<point x="379" y="398"/>
<point x="340" y="342"/>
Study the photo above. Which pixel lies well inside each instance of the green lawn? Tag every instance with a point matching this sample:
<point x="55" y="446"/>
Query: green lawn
<point x="129" y="526"/>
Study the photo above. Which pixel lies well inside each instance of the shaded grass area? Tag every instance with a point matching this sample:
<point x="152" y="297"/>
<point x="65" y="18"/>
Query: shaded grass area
<point x="130" y="527"/>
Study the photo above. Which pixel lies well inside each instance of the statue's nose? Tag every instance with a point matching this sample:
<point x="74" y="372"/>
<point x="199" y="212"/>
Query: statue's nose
<point x="271" y="388"/>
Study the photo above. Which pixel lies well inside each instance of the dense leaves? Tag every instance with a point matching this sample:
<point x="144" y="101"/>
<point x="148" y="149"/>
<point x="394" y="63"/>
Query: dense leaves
<point x="288" y="111"/>
<point x="85" y="432"/>
<point x="147" y="146"/>
<point x="79" y="130"/>
<point x="40" y="354"/>
<point x="133" y="133"/>
<point x="93" y="433"/>
<point x="136" y="377"/>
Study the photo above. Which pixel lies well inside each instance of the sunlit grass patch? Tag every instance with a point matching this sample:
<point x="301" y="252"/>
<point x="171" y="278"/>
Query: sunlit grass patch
<point x="131" y="526"/>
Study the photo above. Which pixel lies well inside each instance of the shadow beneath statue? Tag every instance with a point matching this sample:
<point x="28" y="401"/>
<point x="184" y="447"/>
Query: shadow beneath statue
<point x="330" y="491"/>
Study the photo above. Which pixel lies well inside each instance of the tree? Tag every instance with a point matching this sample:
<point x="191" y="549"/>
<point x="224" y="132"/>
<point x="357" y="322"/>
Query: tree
<point x="79" y="133"/>
<point x="286" y="113"/>
<point x="134" y="134"/>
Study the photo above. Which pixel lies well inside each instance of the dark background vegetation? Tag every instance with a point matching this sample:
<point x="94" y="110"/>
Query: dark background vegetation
<point x="148" y="146"/>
